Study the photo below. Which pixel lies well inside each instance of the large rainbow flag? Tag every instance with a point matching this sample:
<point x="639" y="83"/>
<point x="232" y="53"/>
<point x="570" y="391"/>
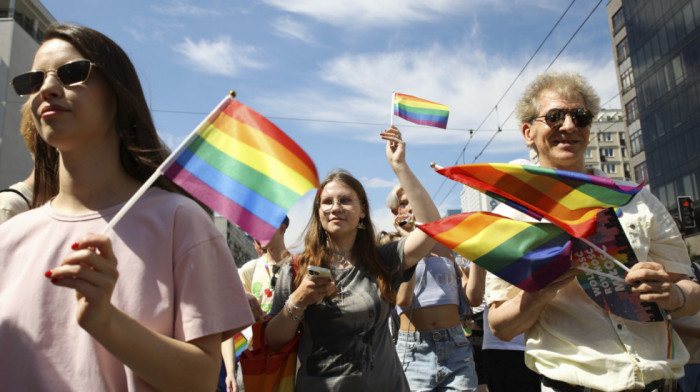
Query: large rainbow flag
<point x="242" y="166"/>
<point x="421" y="111"/>
<point x="527" y="255"/>
<point x="571" y="200"/>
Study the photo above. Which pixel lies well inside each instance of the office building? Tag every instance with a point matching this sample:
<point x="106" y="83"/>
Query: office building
<point x="608" y="145"/>
<point x="656" y="44"/>
<point x="22" y="23"/>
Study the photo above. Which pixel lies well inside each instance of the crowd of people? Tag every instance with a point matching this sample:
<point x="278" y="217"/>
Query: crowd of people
<point x="113" y="312"/>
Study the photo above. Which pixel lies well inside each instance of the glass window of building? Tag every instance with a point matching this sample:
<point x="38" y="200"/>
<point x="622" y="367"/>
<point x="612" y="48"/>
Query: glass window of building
<point x="618" y="20"/>
<point x="640" y="173"/>
<point x="608" y="152"/>
<point x="627" y="80"/>
<point x="623" y="50"/>
<point x="623" y="152"/>
<point x="690" y="187"/>
<point x="679" y="22"/>
<point x="632" y="110"/>
<point x="678" y="70"/>
<point x="636" y="143"/>
<point x="688" y="15"/>
<point x="663" y="40"/>
<point x="589" y="153"/>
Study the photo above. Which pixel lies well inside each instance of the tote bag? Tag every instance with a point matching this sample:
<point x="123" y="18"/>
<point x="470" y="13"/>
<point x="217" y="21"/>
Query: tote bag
<point x="268" y="371"/>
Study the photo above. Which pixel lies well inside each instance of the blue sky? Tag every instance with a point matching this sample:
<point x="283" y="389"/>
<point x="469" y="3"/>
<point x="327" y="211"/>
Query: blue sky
<point x="324" y="71"/>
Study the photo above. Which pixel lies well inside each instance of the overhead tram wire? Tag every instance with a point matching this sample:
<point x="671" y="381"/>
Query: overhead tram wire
<point x="307" y="120"/>
<point x="550" y="64"/>
<point x="472" y="132"/>
<point x="574" y="35"/>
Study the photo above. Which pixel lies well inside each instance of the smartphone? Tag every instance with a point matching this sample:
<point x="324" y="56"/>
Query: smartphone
<point x="318" y="272"/>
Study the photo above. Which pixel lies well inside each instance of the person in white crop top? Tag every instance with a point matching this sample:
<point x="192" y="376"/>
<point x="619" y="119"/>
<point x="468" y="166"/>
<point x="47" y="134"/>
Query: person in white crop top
<point x="431" y="343"/>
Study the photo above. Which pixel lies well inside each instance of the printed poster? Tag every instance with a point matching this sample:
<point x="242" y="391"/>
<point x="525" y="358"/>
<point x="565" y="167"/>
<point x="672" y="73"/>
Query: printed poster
<point x="609" y="294"/>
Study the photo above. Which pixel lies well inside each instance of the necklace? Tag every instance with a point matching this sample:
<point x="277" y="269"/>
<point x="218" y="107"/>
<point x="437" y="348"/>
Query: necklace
<point x="340" y="263"/>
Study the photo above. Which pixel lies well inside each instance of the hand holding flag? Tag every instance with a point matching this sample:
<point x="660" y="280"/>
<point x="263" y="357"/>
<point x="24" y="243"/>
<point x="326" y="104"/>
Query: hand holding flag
<point x="242" y="166"/>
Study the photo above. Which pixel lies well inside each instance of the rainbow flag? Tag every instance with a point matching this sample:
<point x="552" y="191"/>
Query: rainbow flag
<point x="571" y="200"/>
<point x="240" y="343"/>
<point x="245" y="168"/>
<point x="420" y="111"/>
<point x="527" y="255"/>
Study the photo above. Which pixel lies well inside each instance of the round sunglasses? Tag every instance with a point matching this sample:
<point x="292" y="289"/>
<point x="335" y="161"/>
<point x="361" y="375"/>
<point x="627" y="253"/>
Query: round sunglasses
<point x="555" y="117"/>
<point x="70" y="74"/>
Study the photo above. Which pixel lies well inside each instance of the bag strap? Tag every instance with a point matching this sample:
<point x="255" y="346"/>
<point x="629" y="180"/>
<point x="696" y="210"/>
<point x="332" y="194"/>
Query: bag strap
<point x="465" y="310"/>
<point x="20" y="195"/>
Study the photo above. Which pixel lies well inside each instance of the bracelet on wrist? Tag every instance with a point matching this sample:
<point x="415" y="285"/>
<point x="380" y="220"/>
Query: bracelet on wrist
<point x="295" y="306"/>
<point x="288" y="305"/>
<point x="682" y="304"/>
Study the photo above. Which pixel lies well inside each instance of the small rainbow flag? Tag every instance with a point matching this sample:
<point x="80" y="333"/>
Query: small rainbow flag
<point x="245" y="168"/>
<point x="571" y="200"/>
<point x="527" y="255"/>
<point x="240" y="343"/>
<point x="420" y="111"/>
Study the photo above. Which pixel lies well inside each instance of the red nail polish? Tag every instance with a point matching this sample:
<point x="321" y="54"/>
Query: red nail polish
<point x="74" y="246"/>
<point x="47" y="273"/>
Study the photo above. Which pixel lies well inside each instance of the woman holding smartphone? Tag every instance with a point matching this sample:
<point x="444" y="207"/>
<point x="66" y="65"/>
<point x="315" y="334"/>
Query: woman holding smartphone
<point x="345" y="343"/>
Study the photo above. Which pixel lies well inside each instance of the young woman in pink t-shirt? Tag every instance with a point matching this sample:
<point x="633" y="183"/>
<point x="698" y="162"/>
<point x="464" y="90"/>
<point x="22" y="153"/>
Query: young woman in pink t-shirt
<point x="144" y="307"/>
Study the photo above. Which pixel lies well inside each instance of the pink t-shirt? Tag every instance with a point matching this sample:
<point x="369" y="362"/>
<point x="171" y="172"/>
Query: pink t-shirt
<point x="176" y="276"/>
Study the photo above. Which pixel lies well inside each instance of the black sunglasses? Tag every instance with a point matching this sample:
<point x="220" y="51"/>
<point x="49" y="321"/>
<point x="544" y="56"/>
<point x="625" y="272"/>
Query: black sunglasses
<point x="69" y="74"/>
<point x="555" y="117"/>
<point x="273" y="279"/>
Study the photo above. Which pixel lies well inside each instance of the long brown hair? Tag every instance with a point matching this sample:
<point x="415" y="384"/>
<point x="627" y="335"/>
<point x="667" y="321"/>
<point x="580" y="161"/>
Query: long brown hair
<point x="140" y="149"/>
<point x="317" y="251"/>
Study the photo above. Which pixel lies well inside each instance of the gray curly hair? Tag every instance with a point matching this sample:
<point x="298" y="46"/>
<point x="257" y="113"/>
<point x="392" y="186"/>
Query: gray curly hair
<point x="564" y="83"/>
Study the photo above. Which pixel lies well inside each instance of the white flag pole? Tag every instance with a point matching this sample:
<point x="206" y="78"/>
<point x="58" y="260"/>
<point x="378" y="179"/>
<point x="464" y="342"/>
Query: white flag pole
<point x="604" y="253"/>
<point x="391" y="118"/>
<point x="601" y="273"/>
<point x="161" y="169"/>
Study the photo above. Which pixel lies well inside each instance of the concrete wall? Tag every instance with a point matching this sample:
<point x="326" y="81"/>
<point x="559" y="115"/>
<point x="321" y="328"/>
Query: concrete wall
<point x="17" y="50"/>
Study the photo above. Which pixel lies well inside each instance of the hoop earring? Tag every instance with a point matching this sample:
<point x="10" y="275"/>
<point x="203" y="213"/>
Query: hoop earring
<point x="361" y="224"/>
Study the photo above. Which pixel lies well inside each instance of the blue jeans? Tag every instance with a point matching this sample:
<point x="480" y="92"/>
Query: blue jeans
<point x="438" y="360"/>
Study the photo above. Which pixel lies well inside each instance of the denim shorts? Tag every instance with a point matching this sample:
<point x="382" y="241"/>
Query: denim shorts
<point x="438" y="360"/>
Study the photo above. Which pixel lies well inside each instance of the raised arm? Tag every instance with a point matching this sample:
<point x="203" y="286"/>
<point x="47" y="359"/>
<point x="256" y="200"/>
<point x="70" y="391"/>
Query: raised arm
<point x="475" y="285"/>
<point x="418" y="244"/>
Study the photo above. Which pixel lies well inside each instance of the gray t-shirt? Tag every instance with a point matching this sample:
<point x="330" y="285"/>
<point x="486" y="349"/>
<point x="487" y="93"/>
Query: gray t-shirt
<point x="345" y="343"/>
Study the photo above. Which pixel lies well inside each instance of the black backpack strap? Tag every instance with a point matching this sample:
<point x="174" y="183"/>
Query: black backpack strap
<point x="20" y="195"/>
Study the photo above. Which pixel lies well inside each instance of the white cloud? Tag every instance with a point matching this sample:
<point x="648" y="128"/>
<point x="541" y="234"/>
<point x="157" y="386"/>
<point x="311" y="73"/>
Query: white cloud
<point x="180" y="8"/>
<point x="299" y="216"/>
<point x="363" y="13"/>
<point x="465" y="78"/>
<point x="382" y="218"/>
<point x="377" y="182"/>
<point x="219" y="56"/>
<point x="288" y="28"/>
<point x="143" y="29"/>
